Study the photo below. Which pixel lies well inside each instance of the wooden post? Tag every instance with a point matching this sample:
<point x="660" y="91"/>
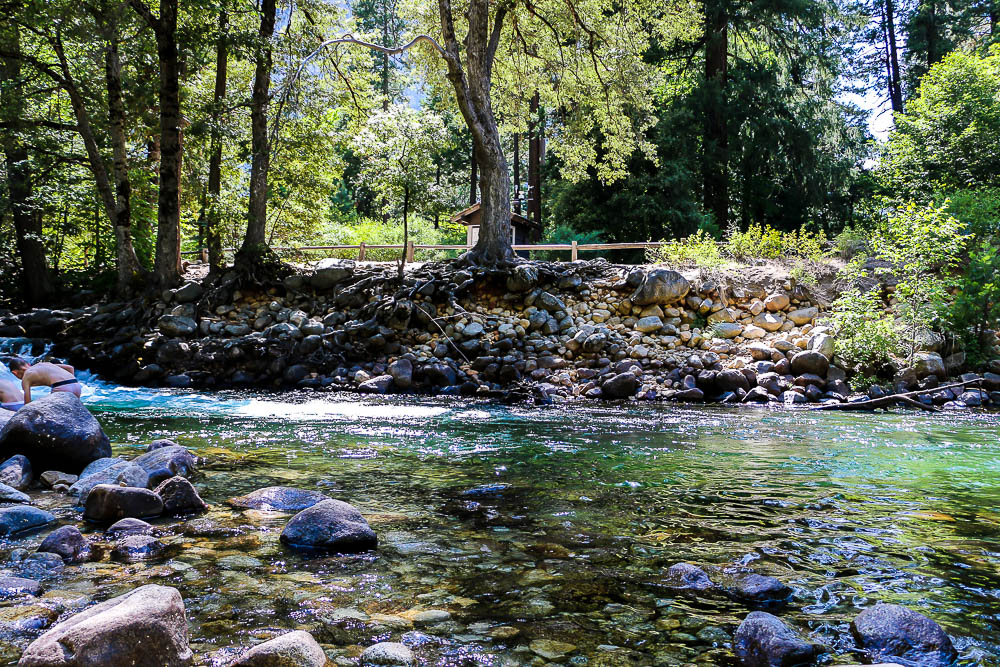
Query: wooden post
<point x="361" y="252"/>
<point x="410" y="251"/>
<point x="573" y="253"/>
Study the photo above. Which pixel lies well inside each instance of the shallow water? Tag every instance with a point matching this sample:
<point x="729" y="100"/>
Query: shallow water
<point x="556" y="523"/>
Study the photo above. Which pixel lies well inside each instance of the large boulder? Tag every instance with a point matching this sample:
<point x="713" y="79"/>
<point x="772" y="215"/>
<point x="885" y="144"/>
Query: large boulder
<point x="21" y="519"/>
<point x="623" y="385"/>
<point x="55" y="432"/>
<point x="167" y="462"/>
<point x="68" y="543"/>
<point x="929" y="363"/>
<point x="143" y="628"/>
<point x="811" y="362"/>
<point x="763" y="640"/>
<point x="888" y="631"/>
<point x="179" y="497"/>
<point x="661" y="287"/>
<point x="278" y="499"/>
<point x="331" y="525"/>
<point x="292" y="649"/>
<point x="107" y="503"/>
<point x="121" y="473"/>
<point x="16" y="472"/>
<point x="522" y="278"/>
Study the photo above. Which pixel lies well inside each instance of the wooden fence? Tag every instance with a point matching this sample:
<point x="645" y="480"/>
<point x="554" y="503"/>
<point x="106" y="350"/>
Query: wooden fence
<point x="412" y="247"/>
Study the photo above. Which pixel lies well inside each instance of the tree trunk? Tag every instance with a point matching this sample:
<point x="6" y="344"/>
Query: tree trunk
<point x="932" y="34"/>
<point x="892" y="60"/>
<point x="473" y="177"/>
<point x="129" y="269"/>
<point x="535" y="165"/>
<point x="406" y="221"/>
<point x="213" y="214"/>
<point x="517" y="173"/>
<point x="715" y="168"/>
<point x="36" y="280"/>
<point x="255" y="243"/>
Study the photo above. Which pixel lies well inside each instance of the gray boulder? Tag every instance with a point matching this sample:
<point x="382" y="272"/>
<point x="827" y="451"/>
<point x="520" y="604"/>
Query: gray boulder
<point x="21" y="519"/>
<point x="177" y="325"/>
<point x="179" y="497"/>
<point x="166" y="462"/>
<point x="331" y="525"/>
<point x="100" y="464"/>
<point x="387" y="654"/>
<point x="763" y="640"/>
<point x="55" y="432"/>
<point x="107" y="503"/>
<point x="122" y="473"/>
<point x="188" y="292"/>
<point x="759" y="589"/>
<point x="11" y="587"/>
<point x="9" y="494"/>
<point x="134" y="548"/>
<point x="146" y="627"/>
<point x="129" y="526"/>
<point x="929" y="363"/>
<point x="401" y="371"/>
<point x="810" y="361"/>
<point x="278" y="499"/>
<point x="292" y="649"/>
<point x="888" y="632"/>
<point x="623" y="385"/>
<point x="376" y="385"/>
<point x="687" y="577"/>
<point x="522" y="278"/>
<point x="330" y="273"/>
<point x="661" y="287"/>
<point x="68" y="543"/>
<point x="16" y="472"/>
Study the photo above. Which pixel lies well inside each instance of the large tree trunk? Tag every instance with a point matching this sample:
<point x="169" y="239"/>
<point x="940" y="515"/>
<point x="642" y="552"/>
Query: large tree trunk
<point x="472" y="92"/>
<point x="129" y="270"/>
<point x="168" y="218"/>
<point x="473" y="177"/>
<point x="213" y="215"/>
<point x="715" y="168"/>
<point x="35" y="278"/>
<point x="895" y="80"/>
<point x="255" y="243"/>
<point x="535" y="165"/>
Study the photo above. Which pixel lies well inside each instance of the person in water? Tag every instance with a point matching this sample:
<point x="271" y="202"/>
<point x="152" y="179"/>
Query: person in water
<point x="11" y="396"/>
<point x="60" y="377"/>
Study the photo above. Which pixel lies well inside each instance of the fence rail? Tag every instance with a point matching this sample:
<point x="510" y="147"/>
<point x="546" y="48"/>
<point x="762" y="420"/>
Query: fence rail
<point x="412" y="247"/>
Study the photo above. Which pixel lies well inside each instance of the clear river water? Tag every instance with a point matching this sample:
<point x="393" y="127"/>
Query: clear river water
<point x="545" y="531"/>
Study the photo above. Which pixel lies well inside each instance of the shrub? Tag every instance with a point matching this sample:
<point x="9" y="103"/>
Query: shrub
<point x="700" y="249"/>
<point x="867" y="337"/>
<point x="563" y="234"/>
<point x="765" y="242"/>
<point x="849" y="241"/>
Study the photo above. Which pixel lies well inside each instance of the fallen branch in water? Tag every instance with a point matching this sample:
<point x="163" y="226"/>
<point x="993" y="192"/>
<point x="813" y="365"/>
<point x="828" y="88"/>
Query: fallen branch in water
<point x="907" y="397"/>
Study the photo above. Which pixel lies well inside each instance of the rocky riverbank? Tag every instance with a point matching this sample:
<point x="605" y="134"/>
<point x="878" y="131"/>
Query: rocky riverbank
<point x="588" y="330"/>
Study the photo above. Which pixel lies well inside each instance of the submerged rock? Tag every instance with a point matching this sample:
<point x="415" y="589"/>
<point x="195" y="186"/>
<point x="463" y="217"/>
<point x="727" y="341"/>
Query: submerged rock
<point x="763" y="640"/>
<point x="331" y="525"/>
<point x="179" y="497"/>
<point x="760" y="589"/>
<point x="293" y="649"/>
<point x="132" y="548"/>
<point x="55" y="431"/>
<point x="387" y="654"/>
<point x="687" y="577"/>
<point x="143" y="628"/>
<point x="129" y="526"/>
<point x="888" y="631"/>
<point x="40" y="565"/>
<point x="17" y="586"/>
<point x="21" y="519"/>
<point x="107" y="503"/>
<point x="278" y="499"/>
<point x="68" y="543"/>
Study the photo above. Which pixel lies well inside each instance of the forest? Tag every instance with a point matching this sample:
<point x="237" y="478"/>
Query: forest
<point x="137" y="135"/>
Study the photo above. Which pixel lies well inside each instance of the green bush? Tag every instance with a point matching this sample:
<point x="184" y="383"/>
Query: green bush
<point x="848" y="241"/>
<point x="766" y="242"/>
<point x="867" y="337"/>
<point x="564" y="234"/>
<point x="700" y="249"/>
<point x="376" y="232"/>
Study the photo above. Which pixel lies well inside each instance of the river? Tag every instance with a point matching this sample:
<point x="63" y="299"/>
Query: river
<point x="534" y="525"/>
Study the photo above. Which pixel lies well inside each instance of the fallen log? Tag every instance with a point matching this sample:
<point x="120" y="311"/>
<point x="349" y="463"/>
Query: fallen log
<point x="892" y="399"/>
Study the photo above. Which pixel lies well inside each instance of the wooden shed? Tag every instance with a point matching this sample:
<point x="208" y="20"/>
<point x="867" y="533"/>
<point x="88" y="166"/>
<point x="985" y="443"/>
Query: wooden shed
<point x="524" y="231"/>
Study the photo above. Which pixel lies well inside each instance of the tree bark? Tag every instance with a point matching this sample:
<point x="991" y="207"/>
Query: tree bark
<point x="129" y="269"/>
<point x="255" y="243"/>
<point x="213" y="215"/>
<point x="715" y="168"/>
<point x="473" y="177"/>
<point x="36" y="280"/>
<point x="535" y="165"/>
<point x="166" y="268"/>
<point x="892" y="60"/>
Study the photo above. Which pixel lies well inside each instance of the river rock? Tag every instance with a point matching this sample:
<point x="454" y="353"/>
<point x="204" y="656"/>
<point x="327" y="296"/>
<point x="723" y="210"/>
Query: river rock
<point x="928" y="363"/>
<point x="179" y="497"/>
<point x="68" y="543"/>
<point x="387" y="654"/>
<point x="166" y="462"/>
<point x="824" y="344"/>
<point x="160" y="444"/>
<point x="763" y="640"/>
<point x="22" y="518"/>
<point x="107" y="503"/>
<point x="134" y="548"/>
<point x="129" y="526"/>
<point x="11" y="587"/>
<point x="662" y="287"/>
<point x="331" y="272"/>
<point x="623" y="385"/>
<point x="278" y="499"/>
<point x="177" y="325"/>
<point x="687" y="577"/>
<point x="122" y="473"/>
<point x="731" y="380"/>
<point x="55" y="431"/>
<point x="768" y="322"/>
<point x="726" y="329"/>
<point x="331" y="525"/>
<point x="401" y="371"/>
<point x="377" y="385"/>
<point x="16" y="472"/>
<point x="810" y="362"/>
<point x="187" y="293"/>
<point x="292" y="649"/>
<point x="522" y="278"/>
<point x="803" y="315"/>
<point x="649" y="324"/>
<point x="40" y="565"/>
<point x="760" y="589"/>
<point x="776" y="302"/>
<point x="889" y="631"/>
<point x="9" y="494"/>
<point x="52" y="477"/>
<point x="143" y="628"/>
<point x="100" y="464"/>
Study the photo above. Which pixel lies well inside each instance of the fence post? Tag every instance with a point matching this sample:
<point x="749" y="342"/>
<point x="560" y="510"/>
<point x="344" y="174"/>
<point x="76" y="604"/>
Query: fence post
<point x="410" y="251"/>
<point x="361" y="252"/>
<point x="573" y="253"/>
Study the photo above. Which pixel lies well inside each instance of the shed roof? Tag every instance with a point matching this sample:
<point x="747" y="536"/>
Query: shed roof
<point x="471" y="216"/>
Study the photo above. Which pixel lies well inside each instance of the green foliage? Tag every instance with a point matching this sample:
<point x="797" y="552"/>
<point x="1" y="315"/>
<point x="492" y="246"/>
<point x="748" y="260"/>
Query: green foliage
<point x="765" y="242"/>
<point x="802" y="275"/>
<point x="866" y="336"/>
<point x="700" y="249"/>
<point x="979" y="210"/>
<point x="849" y="241"/>
<point x="976" y="306"/>
<point x="377" y="232"/>
<point x="565" y="234"/>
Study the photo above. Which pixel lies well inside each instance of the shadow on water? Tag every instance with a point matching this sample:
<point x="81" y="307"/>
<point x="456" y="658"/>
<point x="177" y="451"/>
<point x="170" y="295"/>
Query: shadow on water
<point x="555" y="524"/>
